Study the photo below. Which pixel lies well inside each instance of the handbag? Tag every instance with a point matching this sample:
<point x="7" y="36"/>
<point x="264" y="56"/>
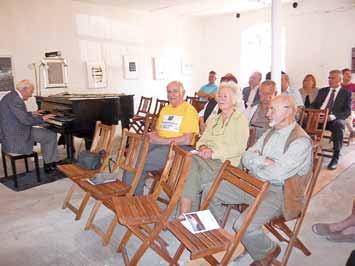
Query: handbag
<point x="90" y="160"/>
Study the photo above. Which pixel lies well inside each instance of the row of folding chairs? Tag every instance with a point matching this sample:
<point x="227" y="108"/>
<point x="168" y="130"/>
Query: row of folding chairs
<point x="146" y="218"/>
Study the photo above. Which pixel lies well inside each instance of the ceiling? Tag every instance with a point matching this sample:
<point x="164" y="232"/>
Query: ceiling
<point x="188" y="7"/>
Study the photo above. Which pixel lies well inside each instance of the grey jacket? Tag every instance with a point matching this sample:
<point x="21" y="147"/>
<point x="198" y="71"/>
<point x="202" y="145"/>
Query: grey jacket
<point x="16" y="124"/>
<point x="246" y="92"/>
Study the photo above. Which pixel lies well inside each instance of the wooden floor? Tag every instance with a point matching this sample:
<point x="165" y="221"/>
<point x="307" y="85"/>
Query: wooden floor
<point x="34" y="230"/>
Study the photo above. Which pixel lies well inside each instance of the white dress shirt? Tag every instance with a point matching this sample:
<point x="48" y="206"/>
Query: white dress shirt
<point x="324" y="105"/>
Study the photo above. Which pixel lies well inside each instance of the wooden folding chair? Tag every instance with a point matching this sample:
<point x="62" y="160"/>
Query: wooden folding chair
<point x="252" y="137"/>
<point x="195" y="102"/>
<point x="314" y="122"/>
<point x="159" y="104"/>
<point x="279" y="224"/>
<point x="137" y="121"/>
<point x="137" y="213"/>
<point x="206" y="244"/>
<point x="103" y="140"/>
<point x="130" y="158"/>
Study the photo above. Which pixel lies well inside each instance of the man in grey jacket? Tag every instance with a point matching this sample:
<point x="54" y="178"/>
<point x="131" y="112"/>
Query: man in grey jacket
<point x="16" y="126"/>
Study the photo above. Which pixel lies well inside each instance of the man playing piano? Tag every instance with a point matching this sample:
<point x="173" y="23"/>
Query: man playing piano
<point x="177" y="122"/>
<point x="16" y="125"/>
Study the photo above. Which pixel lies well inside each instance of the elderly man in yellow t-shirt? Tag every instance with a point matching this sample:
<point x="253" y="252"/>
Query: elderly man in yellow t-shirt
<point x="178" y="122"/>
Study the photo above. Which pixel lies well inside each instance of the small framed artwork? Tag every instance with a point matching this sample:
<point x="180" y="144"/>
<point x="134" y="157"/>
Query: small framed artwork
<point x="6" y="74"/>
<point x="97" y="77"/>
<point x="130" y="66"/>
<point x="159" y="68"/>
<point x="186" y="67"/>
<point x="55" y="72"/>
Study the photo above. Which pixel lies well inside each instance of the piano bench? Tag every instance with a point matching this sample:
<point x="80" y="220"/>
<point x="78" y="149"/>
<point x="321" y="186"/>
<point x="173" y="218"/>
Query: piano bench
<point x="13" y="157"/>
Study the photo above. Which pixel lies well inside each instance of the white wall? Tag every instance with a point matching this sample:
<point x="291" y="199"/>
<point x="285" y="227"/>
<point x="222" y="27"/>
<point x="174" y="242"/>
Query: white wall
<point x="83" y="31"/>
<point x="319" y="37"/>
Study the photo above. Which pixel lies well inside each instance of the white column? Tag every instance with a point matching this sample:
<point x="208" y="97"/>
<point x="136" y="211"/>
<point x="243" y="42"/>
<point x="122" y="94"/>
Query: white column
<point x="276" y="47"/>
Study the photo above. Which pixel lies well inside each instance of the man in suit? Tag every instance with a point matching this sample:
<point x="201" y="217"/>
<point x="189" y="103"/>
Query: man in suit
<point x="250" y="93"/>
<point x="338" y="101"/>
<point x="16" y="125"/>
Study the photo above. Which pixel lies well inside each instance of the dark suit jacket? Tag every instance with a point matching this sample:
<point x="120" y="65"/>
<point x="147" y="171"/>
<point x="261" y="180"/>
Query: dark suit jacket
<point x="342" y="105"/>
<point x="246" y="92"/>
<point x="16" y="124"/>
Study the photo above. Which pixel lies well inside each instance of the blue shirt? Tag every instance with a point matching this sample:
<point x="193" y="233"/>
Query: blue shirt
<point x="208" y="88"/>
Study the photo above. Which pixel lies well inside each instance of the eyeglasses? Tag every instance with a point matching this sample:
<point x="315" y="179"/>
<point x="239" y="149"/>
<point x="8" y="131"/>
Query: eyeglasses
<point x="272" y="109"/>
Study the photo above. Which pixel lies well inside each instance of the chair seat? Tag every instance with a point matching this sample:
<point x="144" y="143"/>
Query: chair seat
<point x="75" y="172"/>
<point x="137" y="210"/>
<point x="201" y="244"/>
<point x="105" y="191"/>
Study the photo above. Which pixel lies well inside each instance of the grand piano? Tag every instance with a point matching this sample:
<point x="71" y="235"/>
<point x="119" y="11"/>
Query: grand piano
<point x="76" y="114"/>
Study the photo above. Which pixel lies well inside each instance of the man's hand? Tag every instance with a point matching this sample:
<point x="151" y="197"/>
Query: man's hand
<point x="205" y="152"/>
<point x="331" y="117"/>
<point x="47" y="117"/>
<point x="268" y="161"/>
<point x="37" y="113"/>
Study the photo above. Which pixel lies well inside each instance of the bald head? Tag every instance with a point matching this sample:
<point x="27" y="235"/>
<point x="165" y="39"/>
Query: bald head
<point x="255" y="79"/>
<point x="26" y="88"/>
<point x="282" y="111"/>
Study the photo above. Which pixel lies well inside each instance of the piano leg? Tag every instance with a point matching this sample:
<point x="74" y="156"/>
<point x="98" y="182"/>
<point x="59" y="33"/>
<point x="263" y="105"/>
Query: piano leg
<point x="70" y="146"/>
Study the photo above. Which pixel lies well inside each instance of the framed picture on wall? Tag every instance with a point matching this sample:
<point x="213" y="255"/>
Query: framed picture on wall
<point x="130" y="67"/>
<point x="97" y="77"/>
<point x="6" y="74"/>
<point x="55" y="73"/>
<point x="186" y="67"/>
<point x="159" y="68"/>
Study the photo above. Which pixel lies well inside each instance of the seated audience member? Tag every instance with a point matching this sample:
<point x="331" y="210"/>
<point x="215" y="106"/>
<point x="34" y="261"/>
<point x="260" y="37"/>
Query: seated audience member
<point x="342" y="231"/>
<point x="208" y="91"/>
<point x="211" y="108"/>
<point x="309" y="90"/>
<point x="225" y="138"/>
<point x="282" y="154"/>
<point x="16" y="123"/>
<point x="338" y="101"/>
<point x="351" y="259"/>
<point x="250" y="93"/>
<point x="287" y="91"/>
<point x="177" y="122"/>
<point x="349" y="86"/>
<point x="257" y="115"/>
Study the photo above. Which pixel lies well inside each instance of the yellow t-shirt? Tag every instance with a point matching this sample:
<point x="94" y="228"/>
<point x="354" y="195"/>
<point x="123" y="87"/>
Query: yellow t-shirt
<point x="177" y="121"/>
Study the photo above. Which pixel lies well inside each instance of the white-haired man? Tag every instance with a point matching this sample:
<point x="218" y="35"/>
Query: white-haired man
<point x="177" y="122"/>
<point x="16" y="123"/>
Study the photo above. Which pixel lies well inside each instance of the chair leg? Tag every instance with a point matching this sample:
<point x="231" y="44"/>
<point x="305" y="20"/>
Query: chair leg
<point x="26" y="164"/>
<point x="298" y="243"/>
<point x="13" y="164"/>
<point x="68" y="196"/>
<point x="93" y="214"/>
<point x="37" y="168"/>
<point x="83" y="204"/>
<point x="109" y="232"/>
<point x="4" y="165"/>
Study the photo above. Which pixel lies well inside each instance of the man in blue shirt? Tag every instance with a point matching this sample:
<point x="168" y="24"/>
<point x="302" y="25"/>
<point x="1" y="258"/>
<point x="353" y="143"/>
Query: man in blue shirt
<point x="209" y="90"/>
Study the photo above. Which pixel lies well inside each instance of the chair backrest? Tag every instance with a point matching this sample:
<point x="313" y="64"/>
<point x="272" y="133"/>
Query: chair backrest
<point x="159" y="104"/>
<point x="195" y="102"/>
<point x="131" y="156"/>
<point x="317" y="164"/>
<point x="103" y="137"/>
<point x="252" y="137"/>
<point x="173" y="176"/>
<point x="251" y="185"/>
<point x="144" y="105"/>
<point x="314" y="121"/>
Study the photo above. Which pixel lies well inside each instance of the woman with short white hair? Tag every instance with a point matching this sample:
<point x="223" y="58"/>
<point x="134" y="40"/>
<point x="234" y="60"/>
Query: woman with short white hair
<point x="225" y="138"/>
